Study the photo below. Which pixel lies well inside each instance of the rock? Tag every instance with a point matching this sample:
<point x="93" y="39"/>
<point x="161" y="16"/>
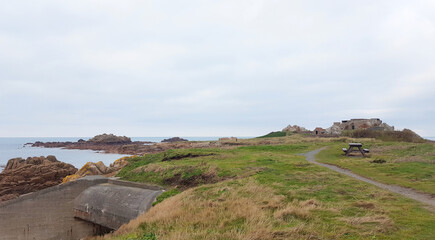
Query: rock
<point x="294" y="128"/>
<point x="175" y="139"/>
<point x="334" y="129"/>
<point x="109" y="139"/>
<point x="35" y="173"/>
<point x="98" y="168"/>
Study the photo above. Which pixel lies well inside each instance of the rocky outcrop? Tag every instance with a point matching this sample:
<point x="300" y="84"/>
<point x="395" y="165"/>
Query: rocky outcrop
<point x="98" y="168"/>
<point x="175" y="139"/>
<point x="109" y="139"/>
<point x="139" y="147"/>
<point x="108" y="143"/>
<point x="35" y="173"/>
<point x="294" y="128"/>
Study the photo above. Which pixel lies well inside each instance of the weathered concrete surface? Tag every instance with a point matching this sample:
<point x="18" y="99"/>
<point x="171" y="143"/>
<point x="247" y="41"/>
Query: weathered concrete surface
<point x="49" y="213"/>
<point x="46" y="214"/>
<point x="111" y="205"/>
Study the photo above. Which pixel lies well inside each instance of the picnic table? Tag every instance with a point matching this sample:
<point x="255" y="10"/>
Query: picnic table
<point x="352" y="147"/>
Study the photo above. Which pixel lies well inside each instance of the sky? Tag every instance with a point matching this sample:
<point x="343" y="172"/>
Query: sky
<point x="213" y="68"/>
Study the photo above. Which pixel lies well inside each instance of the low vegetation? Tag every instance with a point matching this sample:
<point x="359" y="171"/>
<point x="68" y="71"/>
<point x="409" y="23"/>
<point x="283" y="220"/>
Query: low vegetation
<point x="272" y="192"/>
<point x="405" y="135"/>
<point x="274" y="134"/>
<point x="405" y="164"/>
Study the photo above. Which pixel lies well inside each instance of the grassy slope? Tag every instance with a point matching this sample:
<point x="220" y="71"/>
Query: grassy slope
<point x="407" y="164"/>
<point x="268" y="192"/>
<point x="274" y="134"/>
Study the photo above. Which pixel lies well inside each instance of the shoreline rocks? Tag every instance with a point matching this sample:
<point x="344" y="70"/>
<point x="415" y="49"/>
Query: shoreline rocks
<point x="35" y="173"/>
<point x="98" y="168"/>
<point x="128" y="147"/>
<point x="107" y="143"/>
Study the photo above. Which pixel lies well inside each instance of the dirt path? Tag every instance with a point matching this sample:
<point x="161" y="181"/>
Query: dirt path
<point x="407" y="192"/>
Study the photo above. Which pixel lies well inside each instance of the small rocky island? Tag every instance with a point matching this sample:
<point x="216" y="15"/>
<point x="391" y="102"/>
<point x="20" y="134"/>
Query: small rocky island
<point x="175" y="139"/>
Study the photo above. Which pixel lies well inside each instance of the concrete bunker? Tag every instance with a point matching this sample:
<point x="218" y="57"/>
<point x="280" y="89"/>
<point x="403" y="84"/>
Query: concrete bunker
<point x="59" y="212"/>
<point x="111" y="205"/>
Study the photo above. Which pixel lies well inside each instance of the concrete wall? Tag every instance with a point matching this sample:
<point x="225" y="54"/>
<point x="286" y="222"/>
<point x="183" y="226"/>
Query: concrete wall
<point x="49" y="214"/>
<point x="112" y="205"/>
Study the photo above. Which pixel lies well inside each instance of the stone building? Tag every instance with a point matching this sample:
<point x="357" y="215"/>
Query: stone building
<point x="319" y="131"/>
<point x="355" y="124"/>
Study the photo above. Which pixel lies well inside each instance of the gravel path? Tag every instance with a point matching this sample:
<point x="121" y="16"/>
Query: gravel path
<point x="407" y="192"/>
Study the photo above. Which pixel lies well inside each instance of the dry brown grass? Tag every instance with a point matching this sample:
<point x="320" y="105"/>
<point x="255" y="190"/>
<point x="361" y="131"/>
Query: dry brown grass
<point x="242" y="211"/>
<point x="379" y="223"/>
<point x="152" y="167"/>
<point x="296" y="209"/>
<point x="384" y="149"/>
<point x="298" y="138"/>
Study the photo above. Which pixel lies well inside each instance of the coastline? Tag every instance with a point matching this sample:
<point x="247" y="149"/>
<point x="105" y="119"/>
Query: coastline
<point x="13" y="147"/>
<point x="16" y="147"/>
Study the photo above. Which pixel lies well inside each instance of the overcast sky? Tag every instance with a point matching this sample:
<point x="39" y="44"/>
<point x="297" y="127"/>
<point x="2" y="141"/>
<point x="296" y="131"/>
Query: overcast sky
<point x="213" y="68"/>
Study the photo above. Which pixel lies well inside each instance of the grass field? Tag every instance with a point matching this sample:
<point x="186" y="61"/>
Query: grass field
<point x="405" y="164"/>
<point x="271" y="192"/>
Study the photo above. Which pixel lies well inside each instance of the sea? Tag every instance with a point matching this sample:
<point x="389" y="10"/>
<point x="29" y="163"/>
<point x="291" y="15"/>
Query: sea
<point x="16" y="147"/>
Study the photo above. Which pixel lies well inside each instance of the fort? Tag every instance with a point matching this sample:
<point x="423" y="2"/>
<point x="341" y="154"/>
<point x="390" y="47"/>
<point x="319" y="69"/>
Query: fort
<point x="338" y="127"/>
<point x="360" y="123"/>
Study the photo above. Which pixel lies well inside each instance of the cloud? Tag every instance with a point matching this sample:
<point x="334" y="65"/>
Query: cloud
<point x="213" y="67"/>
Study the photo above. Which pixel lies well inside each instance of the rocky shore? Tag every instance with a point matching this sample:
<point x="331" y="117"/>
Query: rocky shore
<point x="110" y="143"/>
<point x="22" y="176"/>
<point x="107" y="143"/>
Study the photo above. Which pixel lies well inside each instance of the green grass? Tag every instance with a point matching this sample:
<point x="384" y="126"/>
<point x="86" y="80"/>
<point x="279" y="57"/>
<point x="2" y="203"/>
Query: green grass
<point x="271" y="192"/>
<point x="165" y="195"/>
<point x="274" y="134"/>
<point x="405" y="164"/>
